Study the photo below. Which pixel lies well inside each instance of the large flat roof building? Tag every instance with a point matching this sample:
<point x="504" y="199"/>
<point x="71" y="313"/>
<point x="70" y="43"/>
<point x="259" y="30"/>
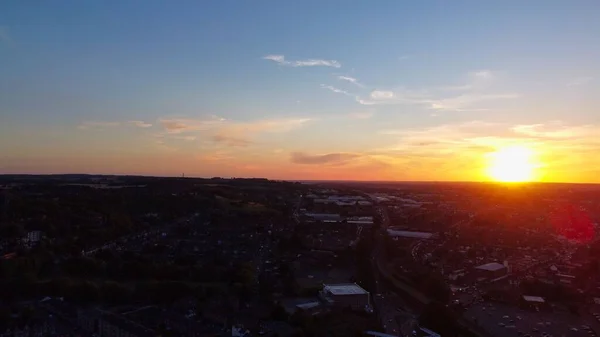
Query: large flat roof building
<point x="409" y="234"/>
<point x="491" y="270"/>
<point x="493" y="266"/>
<point x="344" y="289"/>
<point x="346" y="295"/>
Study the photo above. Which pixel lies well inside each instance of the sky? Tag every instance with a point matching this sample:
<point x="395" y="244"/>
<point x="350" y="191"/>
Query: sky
<point x="302" y="90"/>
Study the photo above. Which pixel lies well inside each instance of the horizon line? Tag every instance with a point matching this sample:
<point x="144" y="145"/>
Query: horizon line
<point x="305" y="180"/>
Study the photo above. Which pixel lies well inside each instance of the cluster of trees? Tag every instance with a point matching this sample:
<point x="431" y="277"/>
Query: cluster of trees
<point x="439" y="318"/>
<point x="15" y="317"/>
<point x="88" y="291"/>
<point x="110" y="278"/>
<point x="364" y="270"/>
<point x="335" y="323"/>
<point x="551" y="292"/>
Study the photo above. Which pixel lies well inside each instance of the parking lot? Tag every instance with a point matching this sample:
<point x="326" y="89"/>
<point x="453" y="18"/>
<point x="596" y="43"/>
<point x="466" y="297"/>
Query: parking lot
<point x="502" y="320"/>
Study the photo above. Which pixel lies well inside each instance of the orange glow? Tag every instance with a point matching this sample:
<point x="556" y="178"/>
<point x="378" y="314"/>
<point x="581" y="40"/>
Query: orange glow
<point x="512" y="164"/>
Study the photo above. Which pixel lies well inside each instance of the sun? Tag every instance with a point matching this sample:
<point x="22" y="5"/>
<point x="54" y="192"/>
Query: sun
<point x="512" y="165"/>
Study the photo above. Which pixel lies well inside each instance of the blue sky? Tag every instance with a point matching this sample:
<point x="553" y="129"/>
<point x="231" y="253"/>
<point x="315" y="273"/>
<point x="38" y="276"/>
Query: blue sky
<point x="271" y="88"/>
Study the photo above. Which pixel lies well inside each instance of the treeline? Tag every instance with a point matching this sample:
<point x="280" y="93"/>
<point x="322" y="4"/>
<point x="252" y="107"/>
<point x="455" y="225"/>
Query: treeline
<point x="109" y="278"/>
<point x="110" y="292"/>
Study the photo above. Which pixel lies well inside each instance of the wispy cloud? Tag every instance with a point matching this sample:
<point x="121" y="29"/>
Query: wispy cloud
<point x="466" y="102"/>
<point x="477" y="137"/>
<point x="403" y="57"/>
<point x="103" y="124"/>
<point x="216" y="156"/>
<point x="463" y="97"/>
<point x="280" y="59"/>
<point x="329" y="158"/>
<point x="336" y="90"/>
<point x="4" y="35"/>
<point x="180" y="125"/>
<point x="482" y="74"/>
<point x="583" y="80"/>
<point x="186" y="138"/>
<point x="229" y="132"/>
<point x="351" y="80"/>
<point x="231" y="141"/>
<point x="140" y="124"/>
<point x="361" y="115"/>
<point x="475" y="80"/>
<point x="556" y="130"/>
<point x="97" y="125"/>
<point x="399" y="96"/>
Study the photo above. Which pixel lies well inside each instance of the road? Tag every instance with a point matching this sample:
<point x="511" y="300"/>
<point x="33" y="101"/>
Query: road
<point x="465" y="325"/>
<point x="386" y="303"/>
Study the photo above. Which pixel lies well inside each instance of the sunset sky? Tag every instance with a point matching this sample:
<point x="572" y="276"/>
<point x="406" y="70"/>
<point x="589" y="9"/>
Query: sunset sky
<point x="363" y="90"/>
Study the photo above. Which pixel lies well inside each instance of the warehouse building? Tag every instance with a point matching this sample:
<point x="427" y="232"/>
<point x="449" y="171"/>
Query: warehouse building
<point x="492" y="270"/>
<point x="346" y="295"/>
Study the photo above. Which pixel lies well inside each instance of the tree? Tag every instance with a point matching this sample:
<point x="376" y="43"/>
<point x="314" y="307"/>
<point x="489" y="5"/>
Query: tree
<point x="437" y="317"/>
<point x="278" y="313"/>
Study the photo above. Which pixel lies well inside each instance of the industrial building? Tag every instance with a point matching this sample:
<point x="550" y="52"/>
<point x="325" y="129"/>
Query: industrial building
<point x="409" y="234"/>
<point x="346" y="295"/>
<point x="491" y="270"/>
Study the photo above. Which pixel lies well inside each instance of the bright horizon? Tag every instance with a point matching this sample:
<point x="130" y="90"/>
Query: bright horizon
<point x="311" y="90"/>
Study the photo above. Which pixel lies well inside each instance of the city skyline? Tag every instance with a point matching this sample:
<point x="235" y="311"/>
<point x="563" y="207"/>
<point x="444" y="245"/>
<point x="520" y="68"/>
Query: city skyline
<point x="301" y="91"/>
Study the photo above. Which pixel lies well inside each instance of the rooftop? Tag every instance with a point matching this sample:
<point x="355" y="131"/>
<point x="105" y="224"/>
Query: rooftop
<point x="344" y="289"/>
<point x="410" y="234"/>
<point x="536" y="299"/>
<point x="493" y="266"/>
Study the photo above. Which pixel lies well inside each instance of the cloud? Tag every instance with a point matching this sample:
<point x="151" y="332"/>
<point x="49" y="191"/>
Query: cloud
<point x="217" y="156"/>
<point x="351" y="80"/>
<point x="316" y="63"/>
<point x="482" y="74"/>
<point x="474" y="139"/>
<point x="465" y="102"/>
<point x="400" y="96"/>
<point x="446" y="139"/>
<point x="4" y="35"/>
<point x="280" y="59"/>
<point x="361" y="115"/>
<point x="556" y="130"/>
<point x="469" y="97"/>
<point x="336" y="90"/>
<point x="97" y="125"/>
<point x="187" y="125"/>
<point x="403" y="57"/>
<point x="382" y="95"/>
<point x="475" y="80"/>
<point x="229" y="132"/>
<point x="276" y="58"/>
<point x="330" y="158"/>
<point x="580" y="81"/>
<point x="186" y="138"/>
<point x="140" y="124"/>
<point x="231" y="141"/>
<point x="103" y="125"/>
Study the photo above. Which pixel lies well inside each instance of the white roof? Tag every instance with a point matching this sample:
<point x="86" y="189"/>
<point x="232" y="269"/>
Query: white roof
<point x="410" y="234"/>
<point x="344" y="289"/>
<point x="308" y="305"/>
<point x="533" y="299"/>
<point x="491" y="266"/>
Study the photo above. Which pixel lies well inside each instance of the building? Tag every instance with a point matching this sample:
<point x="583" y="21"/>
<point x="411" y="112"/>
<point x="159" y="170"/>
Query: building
<point x="492" y="270"/>
<point x="324" y="217"/>
<point x="104" y="323"/>
<point x="533" y="302"/>
<point x="360" y="220"/>
<point x="346" y="295"/>
<point x="409" y="234"/>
